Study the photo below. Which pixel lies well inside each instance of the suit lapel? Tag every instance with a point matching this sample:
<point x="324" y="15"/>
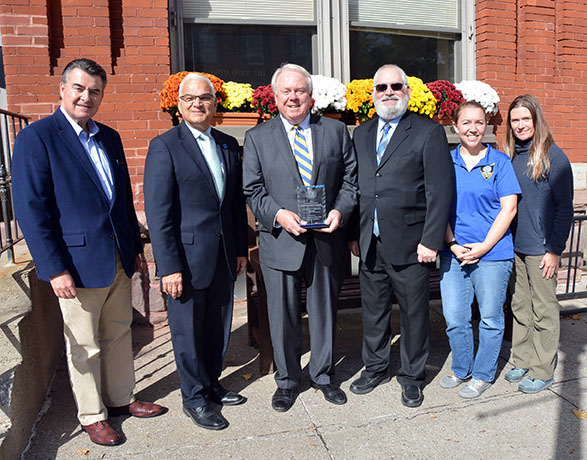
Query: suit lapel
<point x="72" y="143"/>
<point x="189" y="144"/>
<point x="371" y="140"/>
<point x="223" y="151"/>
<point x="317" y="130"/>
<point x="225" y="160"/>
<point x="399" y="135"/>
<point x="283" y="147"/>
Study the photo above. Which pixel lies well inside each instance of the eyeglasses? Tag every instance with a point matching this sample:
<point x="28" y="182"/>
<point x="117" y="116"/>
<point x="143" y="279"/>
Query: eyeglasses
<point x="382" y="87"/>
<point x="190" y="98"/>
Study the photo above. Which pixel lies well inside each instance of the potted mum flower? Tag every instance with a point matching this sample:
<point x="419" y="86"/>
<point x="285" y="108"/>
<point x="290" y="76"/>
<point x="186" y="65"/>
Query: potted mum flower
<point x="422" y="101"/>
<point x="264" y="101"/>
<point x="484" y="94"/>
<point x="448" y="98"/>
<point x="359" y="99"/>
<point x="236" y="109"/>
<point x="329" y="95"/>
<point x="238" y="97"/>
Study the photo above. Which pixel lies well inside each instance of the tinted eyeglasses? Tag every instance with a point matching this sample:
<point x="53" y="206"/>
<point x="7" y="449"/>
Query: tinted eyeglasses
<point x="382" y="87"/>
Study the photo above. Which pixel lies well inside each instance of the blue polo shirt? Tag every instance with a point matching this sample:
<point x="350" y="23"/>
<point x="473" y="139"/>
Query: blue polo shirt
<point x="476" y="200"/>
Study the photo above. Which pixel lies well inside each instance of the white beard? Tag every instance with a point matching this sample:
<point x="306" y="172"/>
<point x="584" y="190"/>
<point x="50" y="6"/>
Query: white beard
<point x="389" y="113"/>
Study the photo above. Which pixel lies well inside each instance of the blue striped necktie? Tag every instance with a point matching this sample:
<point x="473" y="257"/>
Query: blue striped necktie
<point x="302" y="155"/>
<point x="383" y="142"/>
<point x="380" y="151"/>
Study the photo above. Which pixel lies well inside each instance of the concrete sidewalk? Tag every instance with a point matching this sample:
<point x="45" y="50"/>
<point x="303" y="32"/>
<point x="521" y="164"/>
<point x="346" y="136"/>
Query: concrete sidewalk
<point x="503" y="423"/>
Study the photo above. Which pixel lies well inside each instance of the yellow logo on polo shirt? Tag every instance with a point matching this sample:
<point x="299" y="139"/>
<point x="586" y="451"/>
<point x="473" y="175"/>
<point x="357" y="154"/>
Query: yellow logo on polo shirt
<point x="487" y="171"/>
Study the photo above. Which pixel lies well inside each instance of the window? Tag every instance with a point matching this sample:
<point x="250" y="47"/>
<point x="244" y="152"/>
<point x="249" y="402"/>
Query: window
<point x="246" y="40"/>
<point x="427" y="58"/>
<point x="245" y="53"/>
<point x="405" y="33"/>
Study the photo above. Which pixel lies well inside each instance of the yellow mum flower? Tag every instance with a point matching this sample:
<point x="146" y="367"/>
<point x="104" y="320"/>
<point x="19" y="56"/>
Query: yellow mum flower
<point x="238" y="96"/>
<point x="359" y="100"/>
<point x="422" y="100"/>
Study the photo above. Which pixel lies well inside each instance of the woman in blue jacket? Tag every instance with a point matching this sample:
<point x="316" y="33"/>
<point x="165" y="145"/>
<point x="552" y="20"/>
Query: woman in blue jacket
<point x="545" y="215"/>
<point x="478" y="258"/>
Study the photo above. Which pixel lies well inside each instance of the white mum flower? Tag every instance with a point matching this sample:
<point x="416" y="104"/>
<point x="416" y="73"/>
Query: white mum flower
<point x="484" y="94"/>
<point x="328" y="93"/>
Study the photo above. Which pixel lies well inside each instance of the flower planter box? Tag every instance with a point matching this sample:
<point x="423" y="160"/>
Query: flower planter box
<point x="236" y="119"/>
<point x="446" y="121"/>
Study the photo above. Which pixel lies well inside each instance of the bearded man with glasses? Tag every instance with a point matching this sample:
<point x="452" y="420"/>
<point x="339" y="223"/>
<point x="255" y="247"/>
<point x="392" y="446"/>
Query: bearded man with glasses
<point x="406" y="182"/>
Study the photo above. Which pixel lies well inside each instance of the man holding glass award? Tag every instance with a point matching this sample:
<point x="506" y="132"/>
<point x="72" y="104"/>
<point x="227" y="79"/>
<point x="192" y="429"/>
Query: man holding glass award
<point x="300" y="180"/>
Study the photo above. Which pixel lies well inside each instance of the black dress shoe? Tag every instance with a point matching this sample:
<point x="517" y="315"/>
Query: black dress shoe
<point x="412" y="395"/>
<point x="205" y="417"/>
<point x="331" y="393"/>
<point x="226" y="397"/>
<point x="283" y="399"/>
<point x="364" y="385"/>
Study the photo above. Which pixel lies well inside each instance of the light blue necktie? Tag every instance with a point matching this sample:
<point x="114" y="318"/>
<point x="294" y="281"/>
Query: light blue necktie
<point x="380" y="151"/>
<point x="302" y="155"/>
<point x="211" y="156"/>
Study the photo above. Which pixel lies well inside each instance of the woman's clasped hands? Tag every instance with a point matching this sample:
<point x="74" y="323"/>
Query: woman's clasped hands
<point x="469" y="253"/>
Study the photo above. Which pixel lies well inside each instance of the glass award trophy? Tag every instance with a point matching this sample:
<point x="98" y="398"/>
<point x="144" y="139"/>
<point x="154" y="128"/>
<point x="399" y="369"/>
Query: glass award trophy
<point x="312" y="205"/>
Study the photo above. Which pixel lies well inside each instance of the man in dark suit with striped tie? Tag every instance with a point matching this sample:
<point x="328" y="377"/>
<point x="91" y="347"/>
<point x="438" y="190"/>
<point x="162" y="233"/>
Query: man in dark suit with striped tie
<point x="290" y="151"/>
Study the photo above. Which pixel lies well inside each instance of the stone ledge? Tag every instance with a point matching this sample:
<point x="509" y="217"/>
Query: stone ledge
<point x="31" y="344"/>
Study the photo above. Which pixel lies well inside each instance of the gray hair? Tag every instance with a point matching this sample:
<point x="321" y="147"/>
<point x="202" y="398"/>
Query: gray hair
<point x="197" y="77"/>
<point x="391" y="66"/>
<point x="88" y="66"/>
<point x="295" y="68"/>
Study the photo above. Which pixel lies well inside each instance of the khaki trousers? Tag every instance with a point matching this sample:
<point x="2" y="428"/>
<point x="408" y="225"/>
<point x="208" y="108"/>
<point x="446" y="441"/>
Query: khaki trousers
<point x="98" y="345"/>
<point x="536" y="313"/>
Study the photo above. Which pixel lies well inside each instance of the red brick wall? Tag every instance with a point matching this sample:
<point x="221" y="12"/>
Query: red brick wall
<point x="538" y="47"/>
<point x="129" y="38"/>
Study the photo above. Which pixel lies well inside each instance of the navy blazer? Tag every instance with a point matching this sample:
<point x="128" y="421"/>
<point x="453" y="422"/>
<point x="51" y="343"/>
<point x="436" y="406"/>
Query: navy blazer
<point x="66" y="218"/>
<point x="187" y="220"/>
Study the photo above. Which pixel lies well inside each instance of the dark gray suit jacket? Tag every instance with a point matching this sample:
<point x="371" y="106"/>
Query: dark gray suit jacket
<point x="412" y="187"/>
<point x="271" y="177"/>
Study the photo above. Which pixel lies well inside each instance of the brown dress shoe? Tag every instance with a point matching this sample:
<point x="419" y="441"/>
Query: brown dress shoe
<point x="102" y="433"/>
<point x="138" y="409"/>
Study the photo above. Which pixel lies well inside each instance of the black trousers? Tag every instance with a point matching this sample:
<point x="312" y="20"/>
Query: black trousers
<point x="410" y="283"/>
<point x="200" y="322"/>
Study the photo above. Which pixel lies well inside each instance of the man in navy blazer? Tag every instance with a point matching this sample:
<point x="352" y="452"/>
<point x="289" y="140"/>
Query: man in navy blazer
<point x="198" y="227"/>
<point x="73" y="199"/>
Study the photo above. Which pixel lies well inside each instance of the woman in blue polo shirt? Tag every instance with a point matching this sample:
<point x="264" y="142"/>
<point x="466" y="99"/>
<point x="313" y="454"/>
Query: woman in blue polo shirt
<point x="478" y="258"/>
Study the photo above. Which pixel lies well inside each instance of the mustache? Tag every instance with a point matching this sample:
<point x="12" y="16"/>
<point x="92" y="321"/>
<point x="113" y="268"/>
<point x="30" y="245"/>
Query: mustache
<point x="390" y="98"/>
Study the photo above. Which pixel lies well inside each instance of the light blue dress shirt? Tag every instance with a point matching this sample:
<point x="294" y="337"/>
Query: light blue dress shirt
<point x="202" y="144"/>
<point x="291" y="133"/>
<point x="392" y="125"/>
<point x="95" y="153"/>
